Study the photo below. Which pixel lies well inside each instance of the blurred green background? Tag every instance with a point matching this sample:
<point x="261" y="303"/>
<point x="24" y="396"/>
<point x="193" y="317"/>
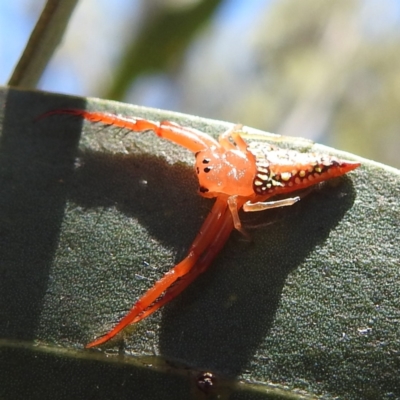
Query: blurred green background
<point x="328" y="71"/>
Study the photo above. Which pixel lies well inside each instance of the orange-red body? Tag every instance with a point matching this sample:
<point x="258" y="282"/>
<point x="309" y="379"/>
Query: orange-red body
<point x="239" y="175"/>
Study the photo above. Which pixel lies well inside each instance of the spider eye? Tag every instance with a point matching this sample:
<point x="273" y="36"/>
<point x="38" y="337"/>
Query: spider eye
<point x="203" y="189"/>
<point x="207" y="169"/>
<point x="206" y="160"/>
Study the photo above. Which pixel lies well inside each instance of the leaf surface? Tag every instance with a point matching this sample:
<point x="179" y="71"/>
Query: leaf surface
<point x="92" y="216"/>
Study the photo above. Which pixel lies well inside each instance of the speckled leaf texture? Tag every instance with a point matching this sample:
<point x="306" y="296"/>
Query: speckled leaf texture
<point x="91" y="216"/>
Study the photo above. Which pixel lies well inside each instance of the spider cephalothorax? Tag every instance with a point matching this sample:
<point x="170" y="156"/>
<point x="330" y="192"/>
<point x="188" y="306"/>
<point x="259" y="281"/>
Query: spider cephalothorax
<point x="237" y="166"/>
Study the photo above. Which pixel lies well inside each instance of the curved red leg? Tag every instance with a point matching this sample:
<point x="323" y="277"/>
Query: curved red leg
<point x="201" y="265"/>
<point x="190" y="138"/>
<point x="210" y="229"/>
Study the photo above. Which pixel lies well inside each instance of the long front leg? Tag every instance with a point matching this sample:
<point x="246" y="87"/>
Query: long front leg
<point x="201" y="265"/>
<point x="209" y="230"/>
<point x="190" y="138"/>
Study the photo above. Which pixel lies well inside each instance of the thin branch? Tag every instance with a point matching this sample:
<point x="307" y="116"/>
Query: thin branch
<point x="44" y="39"/>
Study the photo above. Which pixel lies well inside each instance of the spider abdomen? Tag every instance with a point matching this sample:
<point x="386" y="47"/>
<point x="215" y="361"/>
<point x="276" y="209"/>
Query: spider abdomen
<point x="281" y="170"/>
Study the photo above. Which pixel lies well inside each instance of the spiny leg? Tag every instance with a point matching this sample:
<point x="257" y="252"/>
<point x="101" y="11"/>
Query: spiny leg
<point x="190" y="138"/>
<point x="208" y="231"/>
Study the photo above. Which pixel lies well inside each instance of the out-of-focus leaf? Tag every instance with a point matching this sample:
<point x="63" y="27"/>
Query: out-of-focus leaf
<point x="91" y="216"/>
<point x="161" y="42"/>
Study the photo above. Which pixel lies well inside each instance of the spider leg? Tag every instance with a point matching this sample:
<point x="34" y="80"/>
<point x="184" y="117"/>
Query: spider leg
<point x="204" y="239"/>
<point x="190" y="138"/>
<point x="265" y="205"/>
<point x="234" y="207"/>
<point x="233" y="133"/>
<point x="240" y="143"/>
<point x="202" y="264"/>
<point x="273" y="137"/>
<point x="224" y="137"/>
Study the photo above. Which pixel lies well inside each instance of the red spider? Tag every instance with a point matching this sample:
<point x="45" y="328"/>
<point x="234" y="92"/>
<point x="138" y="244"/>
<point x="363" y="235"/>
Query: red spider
<point x="239" y="175"/>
